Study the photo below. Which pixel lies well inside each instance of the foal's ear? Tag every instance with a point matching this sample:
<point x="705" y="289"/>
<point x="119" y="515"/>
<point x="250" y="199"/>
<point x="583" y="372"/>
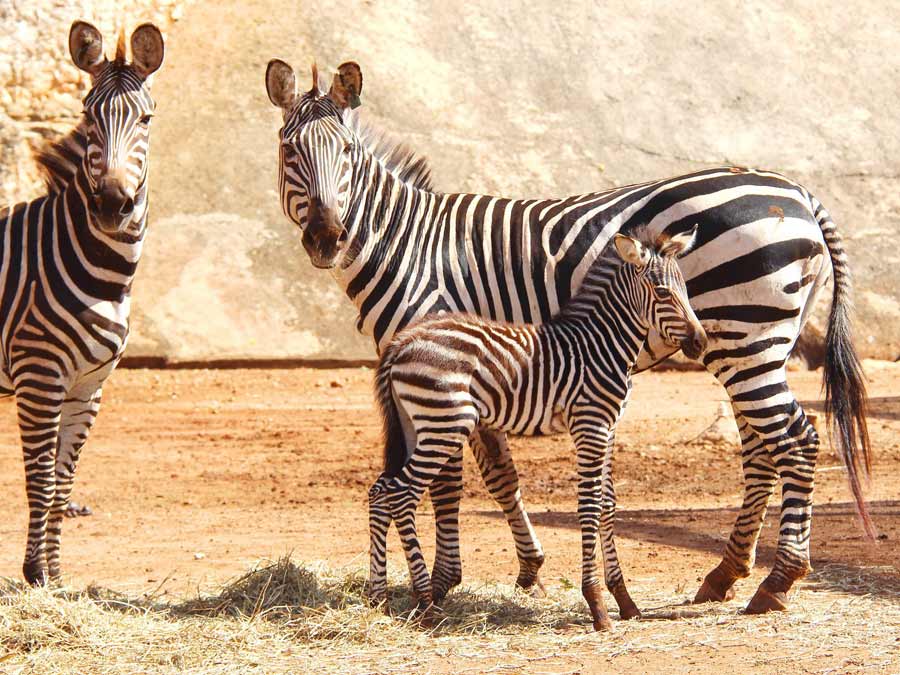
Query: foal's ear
<point x="86" y="47"/>
<point x="346" y="86"/>
<point x="147" y="49"/>
<point x="631" y="250"/>
<point x="679" y="244"/>
<point x="281" y="84"/>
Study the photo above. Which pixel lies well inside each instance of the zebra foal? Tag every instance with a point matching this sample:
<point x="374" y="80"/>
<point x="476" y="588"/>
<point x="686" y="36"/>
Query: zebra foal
<point x="67" y="264"/>
<point x="445" y="377"/>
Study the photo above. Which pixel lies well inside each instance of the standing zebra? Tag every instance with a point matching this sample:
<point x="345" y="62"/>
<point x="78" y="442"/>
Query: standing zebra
<point x="442" y="378"/>
<point x="67" y="266"/>
<point x="765" y="248"/>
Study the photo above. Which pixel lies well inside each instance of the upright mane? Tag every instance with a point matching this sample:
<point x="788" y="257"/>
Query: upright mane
<point x="397" y="157"/>
<point x="59" y="160"/>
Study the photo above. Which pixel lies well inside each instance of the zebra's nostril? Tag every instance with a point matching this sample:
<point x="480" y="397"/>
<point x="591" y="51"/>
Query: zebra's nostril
<point x="127" y="207"/>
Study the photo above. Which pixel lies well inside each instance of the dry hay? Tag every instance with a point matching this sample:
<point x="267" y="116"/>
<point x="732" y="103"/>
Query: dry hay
<point x="283" y="617"/>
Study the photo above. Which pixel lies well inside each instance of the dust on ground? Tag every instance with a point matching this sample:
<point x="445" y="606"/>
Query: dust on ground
<point x="196" y="475"/>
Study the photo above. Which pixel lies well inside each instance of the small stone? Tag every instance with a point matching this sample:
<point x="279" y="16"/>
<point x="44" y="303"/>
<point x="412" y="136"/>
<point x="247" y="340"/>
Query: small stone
<point x="199" y="556"/>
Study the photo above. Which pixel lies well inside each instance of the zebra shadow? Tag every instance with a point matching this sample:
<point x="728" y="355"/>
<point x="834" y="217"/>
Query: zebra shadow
<point x="843" y="560"/>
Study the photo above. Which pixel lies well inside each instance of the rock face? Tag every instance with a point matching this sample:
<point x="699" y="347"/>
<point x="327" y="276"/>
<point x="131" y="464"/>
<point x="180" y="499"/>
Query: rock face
<point x="522" y="99"/>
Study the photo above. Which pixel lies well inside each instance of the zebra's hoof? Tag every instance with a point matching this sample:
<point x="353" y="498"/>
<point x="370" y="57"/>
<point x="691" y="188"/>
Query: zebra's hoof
<point x="35" y="574"/>
<point x="764" y="601"/>
<point x="533" y="587"/>
<point x="627" y="609"/>
<point x="76" y="510"/>
<point x="716" y="587"/>
<point x="603" y="625"/>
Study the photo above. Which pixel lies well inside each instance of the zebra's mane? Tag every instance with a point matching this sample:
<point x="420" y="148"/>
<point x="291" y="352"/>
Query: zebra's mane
<point x="59" y="160"/>
<point x="603" y="269"/>
<point x="397" y="157"/>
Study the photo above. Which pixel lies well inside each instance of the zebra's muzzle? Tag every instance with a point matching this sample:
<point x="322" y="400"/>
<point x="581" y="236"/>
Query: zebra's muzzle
<point x="324" y="236"/>
<point x="114" y="205"/>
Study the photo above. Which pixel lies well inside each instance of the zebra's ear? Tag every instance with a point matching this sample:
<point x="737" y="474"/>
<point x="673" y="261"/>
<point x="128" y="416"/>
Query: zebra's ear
<point x="347" y="86"/>
<point x="631" y="250"/>
<point x="147" y="49"/>
<point x="281" y="84"/>
<point x="679" y="244"/>
<point x="86" y="47"/>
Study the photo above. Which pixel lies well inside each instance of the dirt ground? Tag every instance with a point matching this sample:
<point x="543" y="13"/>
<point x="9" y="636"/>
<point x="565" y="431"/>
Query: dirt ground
<point x="194" y="475"/>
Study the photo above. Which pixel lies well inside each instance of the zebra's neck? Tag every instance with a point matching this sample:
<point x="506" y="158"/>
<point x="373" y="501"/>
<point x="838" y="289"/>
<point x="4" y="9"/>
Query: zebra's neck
<point x="385" y="216"/>
<point x="605" y="309"/>
<point x="102" y="264"/>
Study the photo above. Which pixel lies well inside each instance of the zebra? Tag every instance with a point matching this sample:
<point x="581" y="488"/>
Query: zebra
<point x="443" y="377"/>
<point x="765" y="249"/>
<point x="66" y="271"/>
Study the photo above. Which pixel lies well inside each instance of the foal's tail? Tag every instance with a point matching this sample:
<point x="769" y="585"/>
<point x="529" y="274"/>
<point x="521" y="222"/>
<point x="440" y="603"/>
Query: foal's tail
<point x="845" y="386"/>
<point x="395" y="450"/>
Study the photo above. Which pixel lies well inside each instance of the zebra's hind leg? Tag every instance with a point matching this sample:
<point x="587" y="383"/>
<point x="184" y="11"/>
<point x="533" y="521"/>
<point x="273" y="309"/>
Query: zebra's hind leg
<point x="740" y="552"/>
<point x="770" y="410"/>
<point x="76" y="419"/>
<point x="446" y="492"/>
<point x="379" y="524"/>
<point x="404" y="493"/>
<point x="38" y="417"/>
<point x="491" y="450"/>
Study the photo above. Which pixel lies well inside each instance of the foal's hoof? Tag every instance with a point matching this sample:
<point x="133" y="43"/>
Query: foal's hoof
<point x="533" y="587"/>
<point x="764" y="601"/>
<point x="35" y="574"/>
<point x="424" y="614"/>
<point x="627" y="609"/>
<point x="629" y="612"/>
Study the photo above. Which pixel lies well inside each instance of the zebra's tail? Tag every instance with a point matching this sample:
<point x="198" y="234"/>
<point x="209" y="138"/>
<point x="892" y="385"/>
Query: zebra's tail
<point x="845" y="386"/>
<point x="395" y="450"/>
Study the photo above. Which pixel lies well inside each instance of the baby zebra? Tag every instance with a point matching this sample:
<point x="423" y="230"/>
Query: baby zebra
<point x="444" y="377"/>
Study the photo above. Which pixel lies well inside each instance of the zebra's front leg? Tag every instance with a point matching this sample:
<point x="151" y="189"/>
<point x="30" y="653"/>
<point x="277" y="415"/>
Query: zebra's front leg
<point x="76" y="420"/>
<point x="591" y="445"/>
<point x="491" y="450"/>
<point x="446" y="492"/>
<point x="740" y="552"/>
<point x="38" y="417"/>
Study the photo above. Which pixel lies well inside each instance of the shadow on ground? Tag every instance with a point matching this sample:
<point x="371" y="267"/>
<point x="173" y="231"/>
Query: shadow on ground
<point x="842" y="559"/>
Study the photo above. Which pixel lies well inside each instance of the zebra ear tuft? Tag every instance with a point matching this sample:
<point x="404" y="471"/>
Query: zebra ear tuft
<point x="281" y="84"/>
<point x="679" y="244"/>
<point x="147" y="49"/>
<point x="86" y="47"/>
<point x="631" y="250"/>
<point x="347" y="86"/>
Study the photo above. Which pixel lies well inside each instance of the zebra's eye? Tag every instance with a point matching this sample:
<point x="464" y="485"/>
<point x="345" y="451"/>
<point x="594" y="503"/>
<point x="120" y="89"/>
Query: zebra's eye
<point x="662" y="292"/>
<point x="145" y="120"/>
<point x="348" y="147"/>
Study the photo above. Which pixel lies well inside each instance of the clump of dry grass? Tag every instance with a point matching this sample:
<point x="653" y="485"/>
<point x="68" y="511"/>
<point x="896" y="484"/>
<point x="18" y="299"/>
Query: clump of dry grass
<point x="283" y="617"/>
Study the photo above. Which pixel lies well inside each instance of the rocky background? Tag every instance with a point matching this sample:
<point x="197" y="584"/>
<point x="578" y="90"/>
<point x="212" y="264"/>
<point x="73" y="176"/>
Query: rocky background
<point x="517" y="98"/>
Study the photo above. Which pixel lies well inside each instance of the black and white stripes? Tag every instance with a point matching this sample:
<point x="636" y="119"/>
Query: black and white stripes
<point x="765" y="249"/>
<point x="444" y="377"/>
<point x="67" y="264"/>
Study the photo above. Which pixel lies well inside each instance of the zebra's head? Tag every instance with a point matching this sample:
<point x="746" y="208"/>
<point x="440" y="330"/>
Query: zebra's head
<point x="661" y="292"/>
<point x="316" y="156"/>
<point x="117" y="112"/>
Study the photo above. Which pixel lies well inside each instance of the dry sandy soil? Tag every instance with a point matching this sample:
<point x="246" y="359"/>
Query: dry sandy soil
<point x="194" y="475"/>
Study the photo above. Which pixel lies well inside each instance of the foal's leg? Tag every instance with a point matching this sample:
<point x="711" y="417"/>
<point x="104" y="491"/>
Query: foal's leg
<point x="592" y="439"/>
<point x="740" y="552"/>
<point x="446" y="492"/>
<point x="379" y="523"/>
<point x="495" y="462"/>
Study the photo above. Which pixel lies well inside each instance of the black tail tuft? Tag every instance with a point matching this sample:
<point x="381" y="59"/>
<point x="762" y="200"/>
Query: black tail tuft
<point x="395" y="450"/>
<point x="845" y="386"/>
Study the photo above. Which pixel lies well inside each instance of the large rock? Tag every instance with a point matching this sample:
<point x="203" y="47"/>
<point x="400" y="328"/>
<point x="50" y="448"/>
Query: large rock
<point x="522" y="99"/>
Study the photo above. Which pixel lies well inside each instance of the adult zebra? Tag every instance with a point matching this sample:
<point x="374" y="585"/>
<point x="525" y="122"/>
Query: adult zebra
<point x="765" y="248"/>
<point x="66" y="270"/>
